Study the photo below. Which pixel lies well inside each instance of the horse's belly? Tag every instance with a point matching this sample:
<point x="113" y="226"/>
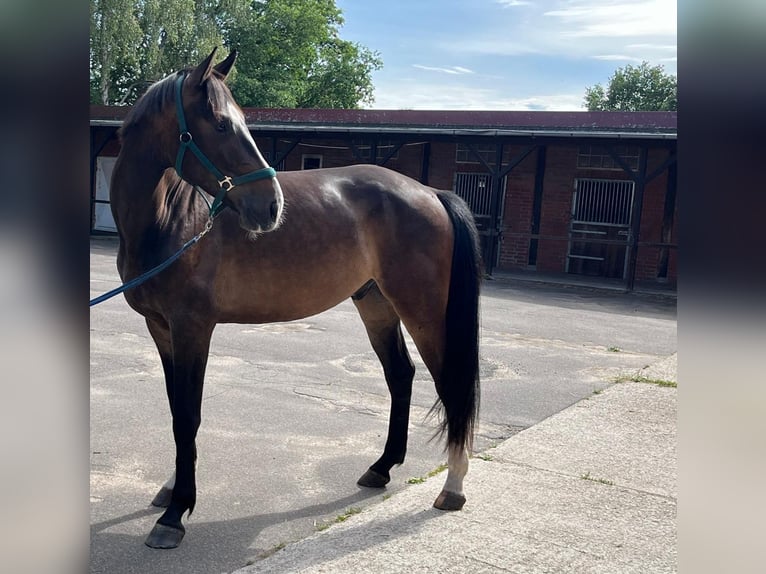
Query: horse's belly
<point x="275" y="298"/>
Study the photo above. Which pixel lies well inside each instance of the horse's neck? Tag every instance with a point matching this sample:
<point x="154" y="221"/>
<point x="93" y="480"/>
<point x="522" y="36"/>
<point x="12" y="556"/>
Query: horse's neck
<point x="145" y="200"/>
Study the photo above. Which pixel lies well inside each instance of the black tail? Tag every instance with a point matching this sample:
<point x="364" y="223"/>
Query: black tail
<point x="458" y="389"/>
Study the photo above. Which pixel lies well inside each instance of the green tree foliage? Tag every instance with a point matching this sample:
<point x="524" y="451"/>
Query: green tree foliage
<point x="115" y="35"/>
<point x="340" y="77"/>
<point x="291" y="54"/>
<point x="641" y="88"/>
<point x="136" y="42"/>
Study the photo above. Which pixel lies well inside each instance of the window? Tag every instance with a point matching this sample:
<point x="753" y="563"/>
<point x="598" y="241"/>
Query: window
<point x="486" y="151"/>
<point x="101" y="210"/>
<point x="477" y="189"/>
<point x="603" y="201"/>
<point x="311" y="161"/>
<point x="596" y="157"/>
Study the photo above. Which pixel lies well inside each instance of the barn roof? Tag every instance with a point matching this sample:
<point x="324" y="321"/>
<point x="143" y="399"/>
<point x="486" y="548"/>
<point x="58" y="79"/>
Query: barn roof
<point x="649" y="125"/>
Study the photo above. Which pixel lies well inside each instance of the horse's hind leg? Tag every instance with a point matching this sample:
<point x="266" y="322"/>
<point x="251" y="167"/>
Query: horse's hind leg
<point x="450" y="353"/>
<point x="385" y="333"/>
<point x="429" y="342"/>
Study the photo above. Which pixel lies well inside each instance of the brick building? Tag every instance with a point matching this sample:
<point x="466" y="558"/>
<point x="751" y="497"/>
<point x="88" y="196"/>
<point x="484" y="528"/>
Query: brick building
<point x="582" y="193"/>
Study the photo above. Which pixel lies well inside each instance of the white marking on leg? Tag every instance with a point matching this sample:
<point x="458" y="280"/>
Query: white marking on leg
<point x="457" y="464"/>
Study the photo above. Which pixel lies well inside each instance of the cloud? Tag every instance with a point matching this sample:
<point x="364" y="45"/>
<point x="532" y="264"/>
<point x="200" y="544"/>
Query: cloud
<point x="455" y="70"/>
<point x="605" y="18"/>
<point x="417" y="95"/>
<point x="618" y="58"/>
<point x="617" y="30"/>
<point x="512" y="3"/>
<point x="668" y="47"/>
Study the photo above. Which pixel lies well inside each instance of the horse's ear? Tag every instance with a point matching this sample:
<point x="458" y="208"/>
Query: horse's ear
<point x="202" y="72"/>
<point x="224" y="67"/>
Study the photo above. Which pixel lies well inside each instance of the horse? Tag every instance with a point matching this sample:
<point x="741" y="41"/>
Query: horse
<point x="286" y="246"/>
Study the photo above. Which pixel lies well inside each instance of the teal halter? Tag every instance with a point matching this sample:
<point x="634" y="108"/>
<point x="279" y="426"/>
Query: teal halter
<point x="225" y="182"/>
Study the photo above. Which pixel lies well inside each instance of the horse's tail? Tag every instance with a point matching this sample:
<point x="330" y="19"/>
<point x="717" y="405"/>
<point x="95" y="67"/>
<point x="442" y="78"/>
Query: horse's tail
<point x="458" y="387"/>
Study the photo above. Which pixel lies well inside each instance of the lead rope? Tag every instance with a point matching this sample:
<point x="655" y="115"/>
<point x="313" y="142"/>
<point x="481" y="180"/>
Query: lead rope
<point x="152" y="272"/>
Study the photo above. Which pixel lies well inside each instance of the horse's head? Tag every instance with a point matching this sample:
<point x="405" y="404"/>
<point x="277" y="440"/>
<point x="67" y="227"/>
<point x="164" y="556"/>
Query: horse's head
<point x="216" y="151"/>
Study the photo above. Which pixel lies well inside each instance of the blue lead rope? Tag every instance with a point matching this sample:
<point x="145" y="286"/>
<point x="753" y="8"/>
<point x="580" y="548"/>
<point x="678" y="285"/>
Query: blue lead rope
<point x="152" y="272"/>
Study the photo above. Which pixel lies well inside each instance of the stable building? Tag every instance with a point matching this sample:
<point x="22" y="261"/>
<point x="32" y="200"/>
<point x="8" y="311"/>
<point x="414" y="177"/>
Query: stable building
<point x="564" y="194"/>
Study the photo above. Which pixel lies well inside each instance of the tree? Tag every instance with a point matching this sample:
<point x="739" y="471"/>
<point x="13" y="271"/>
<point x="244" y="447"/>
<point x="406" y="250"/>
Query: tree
<point x="291" y="53"/>
<point x="292" y="56"/>
<point x="340" y="78"/>
<point x="114" y="36"/>
<point x="136" y="42"/>
<point x="641" y="88"/>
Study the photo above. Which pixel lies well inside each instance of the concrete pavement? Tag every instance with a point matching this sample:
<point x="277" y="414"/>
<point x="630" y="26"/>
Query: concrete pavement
<point x="590" y="489"/>
<point x="294" y="412"/>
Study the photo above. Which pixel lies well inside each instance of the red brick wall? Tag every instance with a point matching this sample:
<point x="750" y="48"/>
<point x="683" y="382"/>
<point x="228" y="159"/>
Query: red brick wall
<point x="648" y="258"/>
<point x="442" y="166"/>
<point x="517" y="215"/>
<point x="556" y="207"/>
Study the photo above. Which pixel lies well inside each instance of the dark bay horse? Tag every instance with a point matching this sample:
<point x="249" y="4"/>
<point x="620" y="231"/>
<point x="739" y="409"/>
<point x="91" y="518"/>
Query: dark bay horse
<point x="285" y="248"/>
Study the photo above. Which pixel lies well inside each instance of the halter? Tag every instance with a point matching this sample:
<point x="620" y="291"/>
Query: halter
<point x="225" y="182"/>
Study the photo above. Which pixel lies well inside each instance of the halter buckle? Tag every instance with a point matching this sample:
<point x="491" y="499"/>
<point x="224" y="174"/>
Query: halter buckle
<point x="226" y="184"/>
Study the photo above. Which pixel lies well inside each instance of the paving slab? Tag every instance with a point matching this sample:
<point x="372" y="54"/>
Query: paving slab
<point x="590" y="489"/>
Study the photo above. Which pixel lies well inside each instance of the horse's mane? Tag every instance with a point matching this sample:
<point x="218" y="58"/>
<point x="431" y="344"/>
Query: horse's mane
<point x="154" y="100"/>
<point x="173" y="194"/>
<point x="162" y="93"/>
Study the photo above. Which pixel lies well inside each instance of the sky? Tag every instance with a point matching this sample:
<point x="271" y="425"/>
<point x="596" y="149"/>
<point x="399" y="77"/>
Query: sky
<point x="505" y="54"/>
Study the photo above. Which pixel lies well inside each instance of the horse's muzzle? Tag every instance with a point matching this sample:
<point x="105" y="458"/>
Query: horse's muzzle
<point x="259" y="211"/>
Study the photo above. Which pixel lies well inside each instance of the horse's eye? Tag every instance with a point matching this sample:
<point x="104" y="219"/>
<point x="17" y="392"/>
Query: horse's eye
<point x="222" y="126"/>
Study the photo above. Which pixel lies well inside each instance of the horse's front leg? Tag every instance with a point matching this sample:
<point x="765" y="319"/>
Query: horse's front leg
<point x="190" y="344"/>
<point x="160" y="332"/>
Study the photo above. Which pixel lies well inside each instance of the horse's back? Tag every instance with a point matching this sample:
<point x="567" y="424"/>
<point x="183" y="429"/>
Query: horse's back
<point x="395" y="216"/>
<point x="375" y="197"/>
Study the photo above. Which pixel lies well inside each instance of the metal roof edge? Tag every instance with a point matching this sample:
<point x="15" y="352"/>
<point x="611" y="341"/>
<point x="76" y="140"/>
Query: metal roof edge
<point x="441" y="131"/>
<point x="486" y="132"/>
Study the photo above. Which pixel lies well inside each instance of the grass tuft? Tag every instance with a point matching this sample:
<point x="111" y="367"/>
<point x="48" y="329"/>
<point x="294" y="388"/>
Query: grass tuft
<point x="647" y="380"/>
<point x="338" y="519"/>
<point x="421" y="479"/>
<point x="587" y="476"/>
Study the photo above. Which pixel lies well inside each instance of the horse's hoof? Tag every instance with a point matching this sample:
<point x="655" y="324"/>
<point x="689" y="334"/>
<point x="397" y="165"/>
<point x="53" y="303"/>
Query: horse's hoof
<point x="373" y="479"/>
<point x="162" y="500"/>
<point x="449" y="501"/>
<point x="164" y="537"/>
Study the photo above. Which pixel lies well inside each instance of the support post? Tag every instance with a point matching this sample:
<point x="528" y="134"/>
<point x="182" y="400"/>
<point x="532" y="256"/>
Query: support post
<point x="537" y="204"/>
<point x="635" y="219"/>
